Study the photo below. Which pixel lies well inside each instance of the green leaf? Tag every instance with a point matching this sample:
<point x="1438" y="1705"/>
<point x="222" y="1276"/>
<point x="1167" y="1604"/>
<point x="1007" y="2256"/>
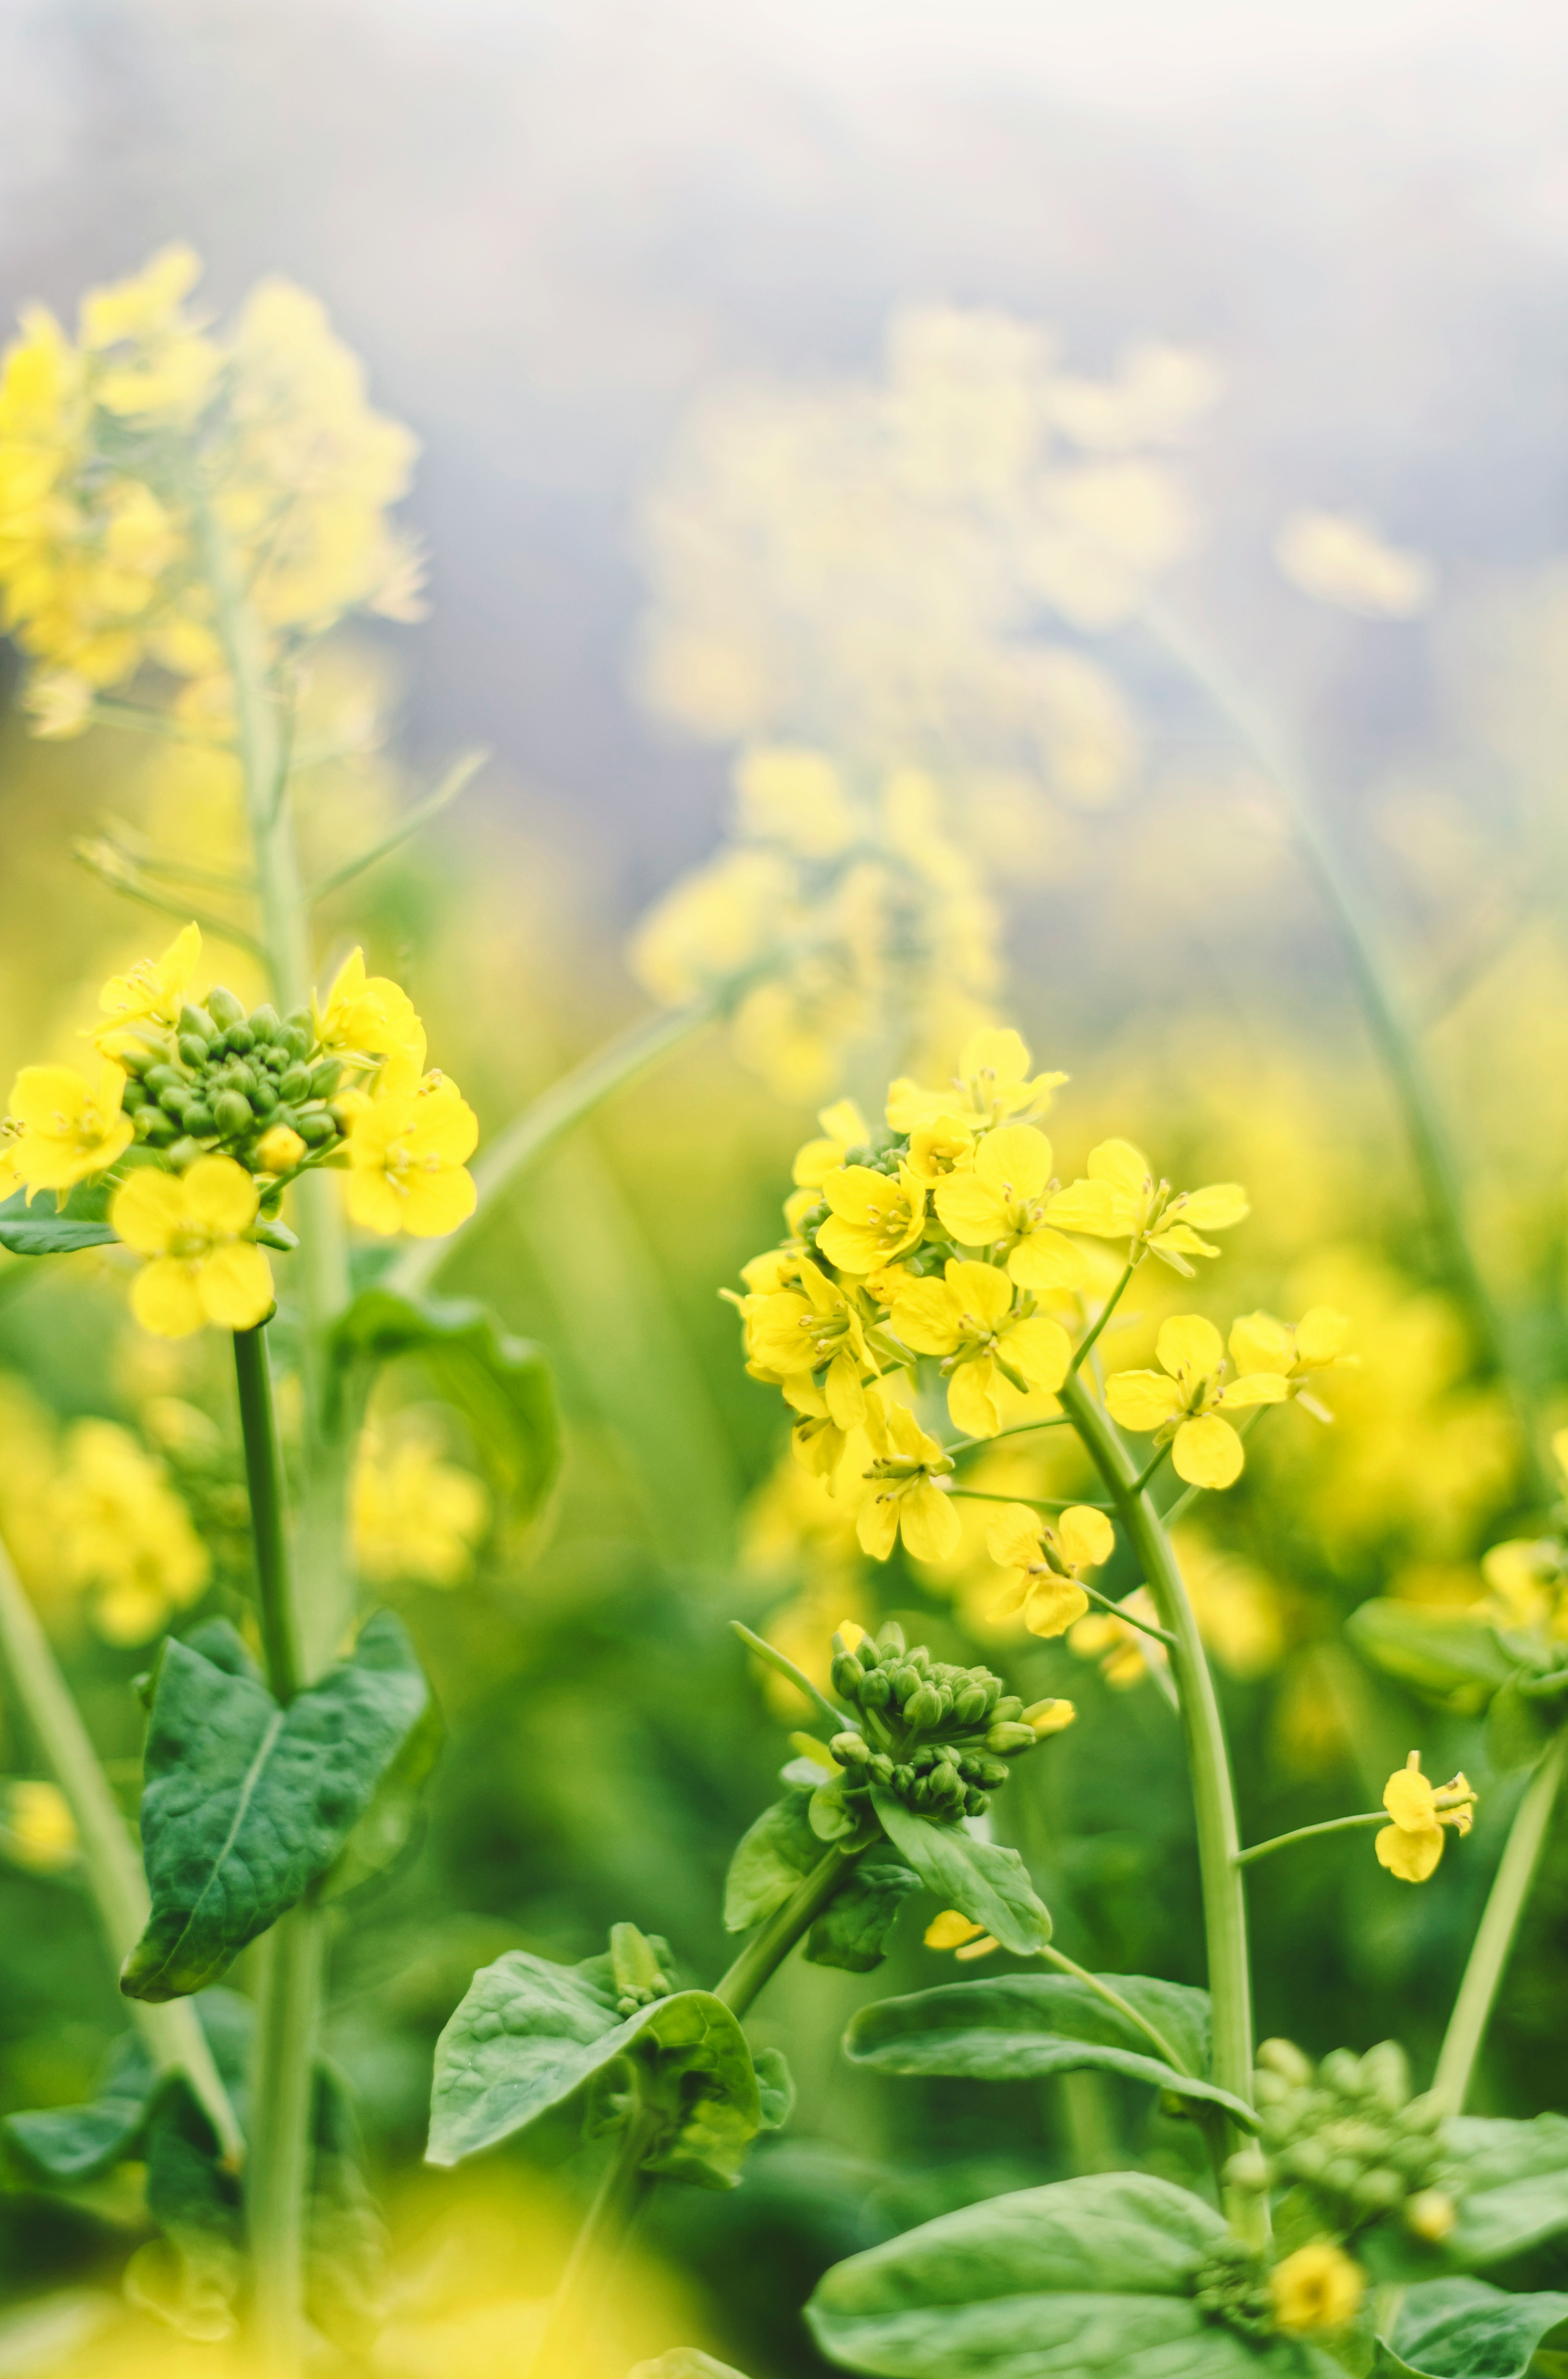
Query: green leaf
<point x="247" y="1805"/>
<point x="776" y="2088"/>
<point x="190" y="2276"/>
<point x="41" y="1230"/>
<point x="854" y="1928"/>
<point x="1078" y="2279"/>
<point x="67" y="2146"/>
<point x="1455" y="1658"/>
<point x="770" y="1859"/>
<point x="984" y="1882"/>
<point x="530" y="2035"/>
<point x="1516" y="2185"/>
<point x="1519" y="1726"/>
<point x="501" y="1385"/>
<point x="383" y="1832"/>
<point x="1462" y="2329"/>
<point x="1018" y="2027"/>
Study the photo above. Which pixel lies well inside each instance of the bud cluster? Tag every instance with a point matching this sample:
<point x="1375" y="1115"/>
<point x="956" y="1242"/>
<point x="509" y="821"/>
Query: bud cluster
<point x="1351" y="2133"/>
<point x="938" y="1736"/>
<point x="637" y="1967"/>
<point x="256" y="1087"/>
<point x="1231" y="2285"/>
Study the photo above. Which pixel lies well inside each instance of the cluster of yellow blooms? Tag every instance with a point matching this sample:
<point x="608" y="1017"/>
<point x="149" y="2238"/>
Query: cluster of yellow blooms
<point x="150" y="456"/>
<point x="417" y="1519"/>
<point x="201" y="1115"/>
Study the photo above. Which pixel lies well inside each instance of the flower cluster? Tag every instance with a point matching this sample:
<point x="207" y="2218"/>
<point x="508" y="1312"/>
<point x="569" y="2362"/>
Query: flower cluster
<point x="937" y="1736"/>
<point x="417" y="1519"/>
<point x="132" y="454"/>
<point x="1350" y="2135"/>
<point x="203" y="1113"/>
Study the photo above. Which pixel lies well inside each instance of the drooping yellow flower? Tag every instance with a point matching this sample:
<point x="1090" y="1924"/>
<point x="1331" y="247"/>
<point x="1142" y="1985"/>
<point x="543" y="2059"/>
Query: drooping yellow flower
<point x="960" y="1934"/>
<point x="992" y="1086"/>
<point x="810" y="1328"/>
<point x="992" y="1353"/>
<point x="1318" y="2287"/>
<point x="875" y="1217"/>
<point x="1182" y="1404"/>
<point x="68" y="1129"/>
<point x="417" y="1516"/>
<point x="408" y="1153"/>
<point x="905" y="1462"/>
<point x="844" y="1128"/>
<point x="370" y="1015"/>
<point x="1003" y="1203"/>
<point x="1411" y="1847"/>
<point x="123" y="1534"/>
<point x="202" y="1267"/>
<point x="37" y="1829"/>
<point x="1046" y="1563"/>
<point x="1120" y="1199"/>
<point x="151" y="992"/>
<point x="1295" y="1350"/>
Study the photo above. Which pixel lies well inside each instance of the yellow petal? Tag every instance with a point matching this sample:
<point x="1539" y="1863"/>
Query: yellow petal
<point x="925" y="1316"/>
<point x="1087" y="1536"/>
<point x="165" y="1300"/>
<point x="1040" y="1348"/>
<point x="1000" y="1052"/>
<point x="1207" y="1453"/>
<point x="235" y="1286"/>
<point x="1091" y="1207"/>
<point x="846" y="1397"/>
<point x="1216" y="1208"/>
<point x="438" y="1202"/>
<point x="980" y="1290"/>
<point x="849" y="1247"/>
<point x="1409" y="1798"/>
<point x="1187" y="1342"/>
<point x="974" y="1398"/>
<point x="971" y="1210"/>
<point x="220" y="1197"/>
<point x="1016" y="1162"/>
<point x="1012" y="1536"/>
<point x="930" y="1525"/>
<point x="844" y="1122"/>
<point x="1055" y="1604"/>
<point x="1142" y="1399"/>
<point x="1045" y="1260"/>
<point x="1259" y="1343"/>
<point x="950" y="1929"/>
<point x="1014" y="1595"/>
<point x="1121" y="1166"/>
<point x="1319" y="1337"/>
<point x="1255" y="1388"/>
<point x="851" y="1191"/>
<point x="981" y="1949"/>
<point x="876" y="1526"/>
<point x="1409" y="1853"/>
<point x="147" y="1210"/>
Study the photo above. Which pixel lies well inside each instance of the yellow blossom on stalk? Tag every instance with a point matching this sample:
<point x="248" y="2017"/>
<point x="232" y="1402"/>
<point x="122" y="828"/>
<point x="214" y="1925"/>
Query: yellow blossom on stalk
<point x="1004" y="1204"/>
<point x="123" y="1533"/>
<point x="992" y="1353"/>
<point x="408" y="1153"/>
<point x="1046" y="1563"/>
<point x="37" y="1829"/>
<point x="1295" y="1350"/>
<point x="370" y="1015"/>
<point x="904" y="1499"/>
<point x="67" y="1128"/>
<point x="1318" y="2287"/>
<point x="960" y="1934"/>
<point x="843" y="1128"/>
<point x="417" y="1517"/>
<point x="151" y="992"/>
<point x="1182" y="1404"/>
<point x="1120" y="1199"/>
<point x="992" y="1086"/>
<point x="192" y="1228"/>
<point x="1411" y="1847"/>
<point x="802" y="1330"/>
<point x="1525" y="1581"/>
<point x="874" y="1217"/>
<point x="1124" y="1653"/>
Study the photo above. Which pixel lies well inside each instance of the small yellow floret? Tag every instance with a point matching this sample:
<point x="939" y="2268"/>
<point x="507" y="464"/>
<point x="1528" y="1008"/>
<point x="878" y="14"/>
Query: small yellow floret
<point x="1317" y="2289"/>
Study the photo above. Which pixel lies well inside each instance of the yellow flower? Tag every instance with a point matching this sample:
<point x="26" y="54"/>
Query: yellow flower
<point x="1124" y="1653"/>
<point x="37" y="1829"/>
<point x="803" y="1330"/>
<point x="992" y="1354"/>
<point x="1317" y="2289"/>
<point x="1411" y="1847"/>
<point x="192" y="1229"/>
<point x="1121" y="1200"/>
<point x="122" y="1532"/>
<point x="152" y="992"/>
<point x="795" y="798"/>
<point x="408" y="1151"/>
<point x="874" y="1217"/>
<point x="416" y="1516"/>
<point x="280" y="1150"/>
<point x="904" y="1464"/>
<point x="992" y="1086"/>
<point x="943" y="1146"/>
<point x="67" y="1127"/>
<point x="1182" y="1405"/>
<point x="960" y="1934"/>
<point x="1526" y="1580"/>
<point x="1046" y="1563"/>
<point x="844" y="1128"/>
<point x="1003" y="1204"/>
<point x="370" y="1015"/>
<point x="1295" y="1350"/>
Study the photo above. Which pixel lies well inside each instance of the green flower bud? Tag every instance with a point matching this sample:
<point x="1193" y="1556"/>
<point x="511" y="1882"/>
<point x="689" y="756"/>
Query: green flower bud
<point x="638" y="1976"/>
<point x="325" y="1075"/>
<point x="264" y="1097"/>
<point x="185" y="1151"/>
<point x="295" y="1043"/>
<point x="903" y="1780"/>
<point x="923" y="1757"/>
<point x="1422" y="2114"/>
<point x="200" y="1121"/>
<point x="1341" y="2071"/>
<point x="158" y="1129"/>
<point x="904" y="1682"/>
<point x="1010" y="1705"/>
<point x="847" y="1675"/>
<point x="1377" y="2190"/>
<point x="1249" y="2170"/>
<point x="890" y="1636"/>
<point x="132" y="1098"/>
<point x="232" y="1114"/>
<point x="1284" y="2058"/>
<point x="137" y="1061"/>
<point x="316" y="1128"/>
<point x="275" y="1057"/>
<point x="223" y="1007"/>
<point x="1008" y="1737"/>
<point x="877" y="1690"/>
<point x="192" y="1049"/>
<point x="164" y="1077"/>
<point x="979" y="1767"/>
<point x="1385" y="2071"/>
<point x="195" y="1024"/>
<point x="1431" y="2216"/>
<point x="975" y="1803"/>
<point x="919" y="1658"/>
<point x="969" y="1706"/>
<point x="295" y="1083"/>
<point x="923" y="1706"/>
<point x="238" y="1039"/>
<point x="851" y="1750"/>
<point x="239" y="1074"/>
<point x="881" y="1766"/>
<point x="265" y="1023"/>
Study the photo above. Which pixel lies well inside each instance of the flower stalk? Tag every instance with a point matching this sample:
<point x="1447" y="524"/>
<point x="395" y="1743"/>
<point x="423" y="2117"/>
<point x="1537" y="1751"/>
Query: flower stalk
<point x="1499" y="1922"/>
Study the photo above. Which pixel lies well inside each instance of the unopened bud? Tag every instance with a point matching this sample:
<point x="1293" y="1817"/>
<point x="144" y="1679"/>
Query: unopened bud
<point x="876" y="1689"/>
<point x="223" y="1007"/>
<point x="1008" y="1737"/>
<point x="1249" y="2170"/>
<point x="923" y="1706"/>
<point x="1284" y="2058"/>
<point x="195" y="1024"/>
<point x="847" y="1676"/>
<point x="1010" y="1705"/>
<point x="851" y="1750"/>
<point x="1431" y="2214"/>
<point x="890" y="1636"/>
<point x="969" y="1706"/>
<point x="265" y="1023"/>
<point x="280" y="1150"/>
<point x="232" y="1114"/>
<point x="1050" y="1717"/>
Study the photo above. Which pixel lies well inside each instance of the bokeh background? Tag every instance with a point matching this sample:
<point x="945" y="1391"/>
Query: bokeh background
<point x="919" y="388"/>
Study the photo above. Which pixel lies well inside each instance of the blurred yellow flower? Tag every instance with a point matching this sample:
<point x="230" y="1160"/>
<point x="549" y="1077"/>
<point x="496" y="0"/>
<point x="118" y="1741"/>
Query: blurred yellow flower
<point x="408" y="1151"/>
<point x="993" y="1354"/>
<point x="124" y="1534"/>
<point x="1411" y="1847"/>
<point x="1003" y="1203"/>
<point x="152" y="992"/>
<point x="1318" y="2287"/>
<point x="1121" y="1200"/>
<point x="37" y="1829"/>
<point x="1295" y="1350"/>
<point x="844" y="1128"/>
<point x="1124" y="1653"/>
<point x="417" y="1519"/>
<point x="1346" y="562"/>
<point x="202" y="1267"/>
<point x="960" y="1934"/>
<point x="904" y="1466"/>
<point x="1182" y="1404"/>
<point x="66" y="1127"/>
<point x="794" y="797"/>
<point x="1526" y="1580"/>
<point x="992" y="1086"/>
<point x="1046" y="1563"/>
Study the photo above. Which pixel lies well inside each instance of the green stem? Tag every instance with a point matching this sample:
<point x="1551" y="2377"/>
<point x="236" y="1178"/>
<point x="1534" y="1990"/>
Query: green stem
<point x="1392" y="1037"/>
<point x="173" y="2033"/>
<point x="1035" y="1502"/>
<point x="1490" y="1951"/>
<point x="766" y="1951"/>
<point x="785" y="1667"/>
<point x="1129" y="1618"/>
<point x="457" y="778"/>
<point x="1106" y="1310"/>
<point x="283" y="2074"/>
<point x="269" y="1515"/>
<point x="548" y="1121"/>
<point x="1096" y="1983"/>
<point x="1224" y="1907"/>
<point x="1309" y="1833"/>
<point x="1018" y="1428"/>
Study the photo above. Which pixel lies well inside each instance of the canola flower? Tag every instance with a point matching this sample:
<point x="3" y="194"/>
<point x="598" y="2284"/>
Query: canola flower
<point x="1187" y="1402"/>
<point x="1318" y="2288"/>
<point x="1421" y="1813"/>
<point x="37" y="1829"/>
<point x="1046" y="1564"/>
<point x="123" y="1534"/>
<point x="417" y="1519"/>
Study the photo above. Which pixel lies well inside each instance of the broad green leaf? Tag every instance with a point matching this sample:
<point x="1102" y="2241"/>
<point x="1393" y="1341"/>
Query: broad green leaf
<point x="1083" y="2280"/>
<point x="1443" y="1653"/>
<point x="1018" y="2027"/>
<point x="501" y="1385"/>
<point x="384" y="1830"/>
<point x="41" y="1229"/>
<point x="67" y="2146"/>
<point x="1462" y="2329"/>
<point x="530" y="2035"/>
<point x="685" y="2362"/>
<point x="247" y="1805"/>
<point x="1516" y="2186"/>
<point x="770" y="1859"/>
<point x="854" y="1927"/>
<point x="984" y="1882"/>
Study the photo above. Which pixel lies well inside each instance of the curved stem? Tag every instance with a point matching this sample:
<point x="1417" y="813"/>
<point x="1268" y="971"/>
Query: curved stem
<point x="1224" y="1907"/>
<point x="1018" y="1428"/>
<point x="1128" y="1618"/>
<point x="768" y="1950"/>
<point x="1035" y="1502"/>
<point x="784" y="1667"/>
<point x="1113" y="1997"/>
<point x="1500" y="1921"/>
<point x="1086" y="1345"/>
<point x="1308" y="1834"/>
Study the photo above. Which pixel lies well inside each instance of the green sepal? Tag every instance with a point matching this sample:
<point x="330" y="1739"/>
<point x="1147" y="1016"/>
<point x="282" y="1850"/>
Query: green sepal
<point x="501" y="1385"/>
<point x="1462" y="2329"/>
<point x="248" y="1805"/>
<point x="1022" y="2027"/>
<point x="986" y="1882"/>
<point x="43" y="1229"/>
<point x="854" y="1928"/>
<point x="1446" y="1655"/>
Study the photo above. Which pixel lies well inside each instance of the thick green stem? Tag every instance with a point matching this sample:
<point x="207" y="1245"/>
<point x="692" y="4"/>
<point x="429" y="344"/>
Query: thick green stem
<point x="114" y="1873"/>
<point x="1309" y="1833"/>
<point x="269" y="1515"/>
<point x="1224" y="1907"/>
<point x="1490" y="1951"/>
<point x="768" y="1950"/>
<point x="282" y="2076"/>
